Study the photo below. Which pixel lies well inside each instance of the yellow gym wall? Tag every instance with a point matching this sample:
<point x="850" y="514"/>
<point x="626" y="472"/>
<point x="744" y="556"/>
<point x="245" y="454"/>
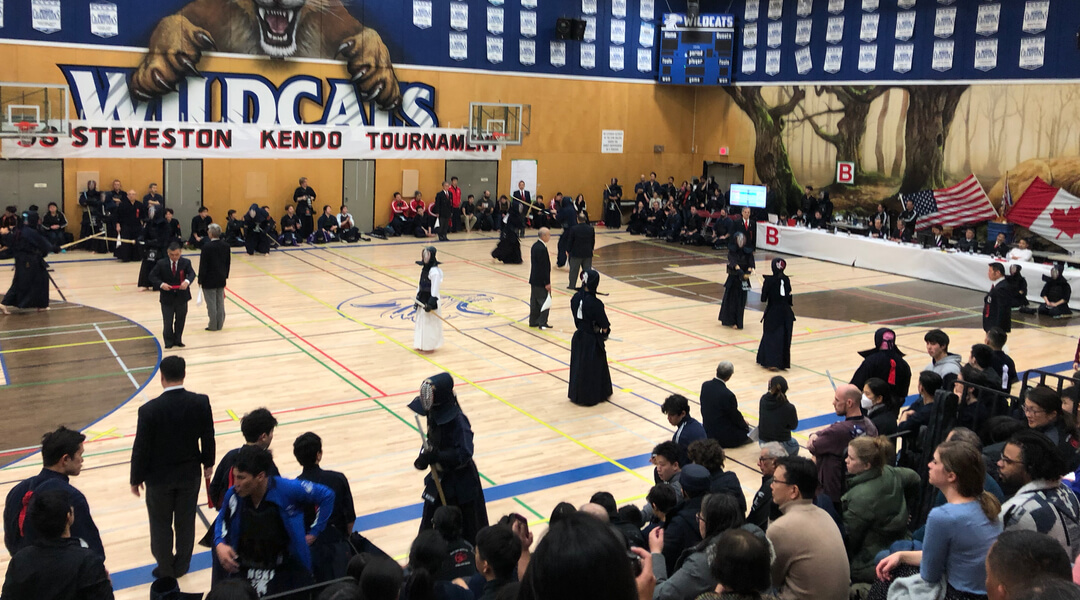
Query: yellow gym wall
<point x="568" y="116"/>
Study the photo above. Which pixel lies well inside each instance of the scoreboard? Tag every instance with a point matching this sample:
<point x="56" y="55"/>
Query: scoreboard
<point x="697" y="53"/>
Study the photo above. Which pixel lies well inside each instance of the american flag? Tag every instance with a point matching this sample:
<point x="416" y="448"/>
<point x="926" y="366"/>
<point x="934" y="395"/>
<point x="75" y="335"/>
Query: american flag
<point x="1006" y="198"/>
<point x="961" y="204"/>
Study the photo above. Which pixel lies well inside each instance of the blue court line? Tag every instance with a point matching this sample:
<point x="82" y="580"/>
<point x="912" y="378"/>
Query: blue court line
<point x="3" y="368"/>
<point x="142" y="575"/>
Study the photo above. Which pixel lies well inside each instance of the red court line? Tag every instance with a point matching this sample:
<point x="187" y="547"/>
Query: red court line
<point x="302" y="339"/>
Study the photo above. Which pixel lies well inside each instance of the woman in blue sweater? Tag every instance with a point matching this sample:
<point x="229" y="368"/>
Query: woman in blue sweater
<point x="960" y="532"/>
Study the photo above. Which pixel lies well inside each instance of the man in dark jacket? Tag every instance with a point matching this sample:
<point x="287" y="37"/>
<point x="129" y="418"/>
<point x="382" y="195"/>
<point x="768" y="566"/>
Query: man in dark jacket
<point x="214" y="263"/>
<point x="997" y="307"/>
<point x="710" y="455"/>
<point x="173" y="276"/>
<point x="174" y="436"/>
<point x="540" y="280"/>
<point x="567" y="220"/>
<point x="56" y="566"/>
<point x="445" y="209"/>
<point x="720" y="413"/>
<point x="687" y="429"/>
<point x="580" y="243"/>
<point x="329" y="551"/>
<point x="681" y="529"/>
<point x="62" y="455"/>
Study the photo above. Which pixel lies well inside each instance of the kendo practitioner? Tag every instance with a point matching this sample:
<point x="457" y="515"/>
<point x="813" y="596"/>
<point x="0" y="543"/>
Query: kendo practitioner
<point x="304" y="197"/>
<point x="740" y="266"/>
<point x="175" y="233"/>
<point x="1018" y="287"/>
<point x="612" y="209"/>
<point x="110" y="202"/>
<point x="428" y="334"/>
<point x="445" y="210"/>
<point x="30" y="285"/>
<point x="127" y="227"/>
<point x="673" y="224"/>
<point x="447" y="454"/>
<point x="997" y="304"/>
<point x="508" y="250"/>
<point x="234" y="230"/>
<point x="154" y="241"/>
<point x="347" y="230"/>
<point x="886" y="362"/>
<point x="582" y="207"/>
<point x="255" y="237"/>
<point x="637" y="219"/>
<point x="93" y="219"/>
<point x="774" y="351"/>
<point x="199" y="225"/>
<point x="590" y="379"/>
<point x="905" y="222"/>
<point x="289" y="226"/>
<point x="568" y="218"/>
<point x="328" y="227"/>
<point x="1055" y="294"/>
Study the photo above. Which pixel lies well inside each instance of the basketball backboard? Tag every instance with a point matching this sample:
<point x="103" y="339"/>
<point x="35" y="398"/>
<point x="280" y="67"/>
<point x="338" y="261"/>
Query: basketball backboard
<point x="27" y="108"/>
<point x="496" y="123"/>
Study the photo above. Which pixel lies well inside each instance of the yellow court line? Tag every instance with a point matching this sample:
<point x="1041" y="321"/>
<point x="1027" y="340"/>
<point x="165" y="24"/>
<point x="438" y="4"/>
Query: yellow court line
<point x="74" y="344"/>
<point x="98" y="436"/>
<point x="232" y="415"/>
<point x="460" y="377"/>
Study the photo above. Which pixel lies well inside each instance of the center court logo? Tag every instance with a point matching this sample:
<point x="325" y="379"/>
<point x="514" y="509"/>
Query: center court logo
<point x="466" y="309"/>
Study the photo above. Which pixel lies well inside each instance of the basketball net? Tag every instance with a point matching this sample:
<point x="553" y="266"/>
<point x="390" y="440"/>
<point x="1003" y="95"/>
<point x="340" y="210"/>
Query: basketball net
<point x="26" y="130"/>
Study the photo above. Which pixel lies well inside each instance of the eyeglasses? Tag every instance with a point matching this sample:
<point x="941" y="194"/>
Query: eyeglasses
<point x="1008" y="461"/>
<point x="780" y="482"/>
<point x="1033" y="410"/>
<point x="762" y="459"/>
<point x="700" y="518"/>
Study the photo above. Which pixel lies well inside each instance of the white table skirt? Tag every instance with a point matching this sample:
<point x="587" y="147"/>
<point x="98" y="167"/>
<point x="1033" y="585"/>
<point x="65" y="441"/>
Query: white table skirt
<point x="952" y="268"/>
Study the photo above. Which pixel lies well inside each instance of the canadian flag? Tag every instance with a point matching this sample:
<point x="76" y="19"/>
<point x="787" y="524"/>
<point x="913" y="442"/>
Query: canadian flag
<point x="1050" y="212"/>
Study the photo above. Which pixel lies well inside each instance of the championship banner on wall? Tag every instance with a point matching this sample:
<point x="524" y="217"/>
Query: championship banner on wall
<point x="112" y="139"/>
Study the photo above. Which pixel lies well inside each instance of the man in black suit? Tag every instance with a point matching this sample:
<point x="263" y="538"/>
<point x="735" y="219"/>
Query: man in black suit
<point x="173" y="276"/>
<point x="720" y="410"/>
<point x="997" y="306"/>
<point x="444" y="207"/>
<point x="214" y="263"/>
<point x="174" y="436"/>
<point x="540" y="280"/>
<point x="522" y="201"/>
<point x="746" y="226"/>
<point x="581" y="243"/>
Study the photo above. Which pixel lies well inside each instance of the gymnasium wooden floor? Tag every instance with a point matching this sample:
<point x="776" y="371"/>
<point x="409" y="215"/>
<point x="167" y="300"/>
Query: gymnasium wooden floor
<point x="322" y="336"/>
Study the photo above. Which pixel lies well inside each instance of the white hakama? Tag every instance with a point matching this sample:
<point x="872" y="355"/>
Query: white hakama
<point x="429" y="327"/>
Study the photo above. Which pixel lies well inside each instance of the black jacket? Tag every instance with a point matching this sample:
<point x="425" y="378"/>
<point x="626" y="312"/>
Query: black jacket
<point x="214" y="263"/>
<point x="223" y="477"/>
<point x="83" y="528"/>
<point x="750" y="232"/>
<point x="776" y="419"/>
<point x="720" y="415"/>
<point x="304" y="208"/>
<point x="540" y="273"/>
<point x="681" y="530"/>
<point x="582" y="240"/>
<point x="57" y="569"/>
<point x="997" y="307"/>
<point x="173" y="438"/>
<point x="162" y="273"/>
<point x="344" y="511"/>
<point x="727" y="482"/>
<point x="444" y="205"/>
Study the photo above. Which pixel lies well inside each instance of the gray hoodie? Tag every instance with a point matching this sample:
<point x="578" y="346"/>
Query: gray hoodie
<point x="950" y="365"/>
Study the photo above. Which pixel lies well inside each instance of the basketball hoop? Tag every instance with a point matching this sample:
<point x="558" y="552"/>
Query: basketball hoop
<point x="496" y="136"/>
<point x="26" y="130"/>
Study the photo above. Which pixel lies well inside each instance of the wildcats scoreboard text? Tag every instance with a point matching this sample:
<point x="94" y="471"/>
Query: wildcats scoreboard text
<point x="697" y="53"/>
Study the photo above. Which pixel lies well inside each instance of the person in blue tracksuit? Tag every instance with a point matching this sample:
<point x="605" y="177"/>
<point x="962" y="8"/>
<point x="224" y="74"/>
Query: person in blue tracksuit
<point x="260" y="534"/>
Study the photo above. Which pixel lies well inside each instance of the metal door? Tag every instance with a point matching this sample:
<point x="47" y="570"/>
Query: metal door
<point x="725" y="173"/>
<point x="475" y="176"/>
<point x="358" y="192"/>
<point x="183" y="189"/>
<point x="24" y="182"/>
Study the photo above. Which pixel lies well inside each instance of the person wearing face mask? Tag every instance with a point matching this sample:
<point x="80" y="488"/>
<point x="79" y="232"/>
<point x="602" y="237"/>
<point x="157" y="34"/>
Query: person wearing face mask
<point x="1055" y="294"/>
<point x="886" y="362"/>
<point x="875" y="394"/>
<point x="774" y="351"/>
<point x="429" y="330"/>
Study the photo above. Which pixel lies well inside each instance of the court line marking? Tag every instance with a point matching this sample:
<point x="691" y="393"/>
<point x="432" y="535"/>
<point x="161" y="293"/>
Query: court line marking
<point x="76" y="344"/>
<point x="3" y="369"/>
<point x="68" y="332"/>
<point x="123" y="366"/>
<point x="24" y="330"/>
<point x="457" y="375"/>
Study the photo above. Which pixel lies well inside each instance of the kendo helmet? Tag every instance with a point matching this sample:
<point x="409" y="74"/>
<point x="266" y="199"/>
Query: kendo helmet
<point x="884" y="339"/>
<point x="437" y="399"/>
<point x="590" y="279"/>
<point x="778" y="266"/>
<point x="427" y="257"/>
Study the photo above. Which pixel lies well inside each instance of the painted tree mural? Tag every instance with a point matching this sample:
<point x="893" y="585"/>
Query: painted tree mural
<point x="930" y="115"/>
<point x="770" y="153"/>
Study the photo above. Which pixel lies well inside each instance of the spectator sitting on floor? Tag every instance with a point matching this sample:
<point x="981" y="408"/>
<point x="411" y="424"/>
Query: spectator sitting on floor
<point x="687" y="428"/>
<point x="777" y="417"/>
<point x="1043" y="503"/>
<point x="1020" y="558"/>
<point x="709" y="454"/>
<point x="811" y="562"/>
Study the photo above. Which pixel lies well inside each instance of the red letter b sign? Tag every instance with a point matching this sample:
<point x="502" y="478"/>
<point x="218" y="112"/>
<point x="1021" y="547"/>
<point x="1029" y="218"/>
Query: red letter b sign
<point x="845" y="172"/>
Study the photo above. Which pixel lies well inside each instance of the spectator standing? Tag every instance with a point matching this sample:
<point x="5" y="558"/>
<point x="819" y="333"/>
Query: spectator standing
<point x="215" y="260"/>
